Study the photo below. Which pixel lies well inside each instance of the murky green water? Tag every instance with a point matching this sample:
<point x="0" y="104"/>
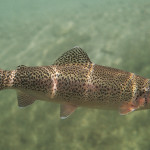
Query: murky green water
<point x="36" y="32"/>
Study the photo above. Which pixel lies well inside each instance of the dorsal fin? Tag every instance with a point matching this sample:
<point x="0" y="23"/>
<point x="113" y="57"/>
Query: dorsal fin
<point x="74" y="56"/>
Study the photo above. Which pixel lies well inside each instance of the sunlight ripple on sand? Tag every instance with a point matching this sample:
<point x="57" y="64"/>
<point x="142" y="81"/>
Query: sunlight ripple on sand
<point x="34" y="41"/>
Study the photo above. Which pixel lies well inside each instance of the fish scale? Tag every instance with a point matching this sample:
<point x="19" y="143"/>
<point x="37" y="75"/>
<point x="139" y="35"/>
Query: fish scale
<point x="74" y="81"/>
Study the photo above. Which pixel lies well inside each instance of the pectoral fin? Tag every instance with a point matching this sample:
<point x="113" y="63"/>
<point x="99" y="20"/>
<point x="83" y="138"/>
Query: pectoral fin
<point x="66" y="110"/>
<point x="24" y="99"/>
<point x="128" y="107"/>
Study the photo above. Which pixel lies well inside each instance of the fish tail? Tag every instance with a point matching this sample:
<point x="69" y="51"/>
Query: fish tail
<point x="6" y="79"/>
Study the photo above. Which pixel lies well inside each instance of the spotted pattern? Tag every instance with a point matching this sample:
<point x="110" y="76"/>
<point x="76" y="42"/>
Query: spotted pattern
<point x="6" y="78"/>
<point x="97" y="86"/>
<point x="111" y="87"/>
<point x="34" y="78"/>
<point x="108" y="85"/>
<point x="73" y="78"/>
<point x="71" y="83"/>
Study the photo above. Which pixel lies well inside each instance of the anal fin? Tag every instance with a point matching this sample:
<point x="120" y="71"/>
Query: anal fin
<point x="24" y="99"/>
<point x="66" y="110"/>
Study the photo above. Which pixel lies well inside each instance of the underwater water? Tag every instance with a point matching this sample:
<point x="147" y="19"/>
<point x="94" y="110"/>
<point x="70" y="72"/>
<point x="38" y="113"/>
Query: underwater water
<point x="114" y="33"/>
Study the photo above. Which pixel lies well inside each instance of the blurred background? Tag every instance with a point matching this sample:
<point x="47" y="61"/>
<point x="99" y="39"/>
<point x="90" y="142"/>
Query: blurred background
<point x="114" y="33"/>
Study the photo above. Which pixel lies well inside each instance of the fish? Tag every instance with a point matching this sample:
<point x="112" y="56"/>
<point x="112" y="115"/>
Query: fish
<point x="74" y="81"/>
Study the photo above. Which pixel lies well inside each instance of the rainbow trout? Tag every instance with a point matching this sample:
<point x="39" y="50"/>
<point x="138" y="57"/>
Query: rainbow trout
<point x="74" y="81"/>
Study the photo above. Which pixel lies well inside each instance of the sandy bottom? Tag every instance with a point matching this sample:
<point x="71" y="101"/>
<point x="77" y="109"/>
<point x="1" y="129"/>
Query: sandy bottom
<point x="113" y="33"/>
